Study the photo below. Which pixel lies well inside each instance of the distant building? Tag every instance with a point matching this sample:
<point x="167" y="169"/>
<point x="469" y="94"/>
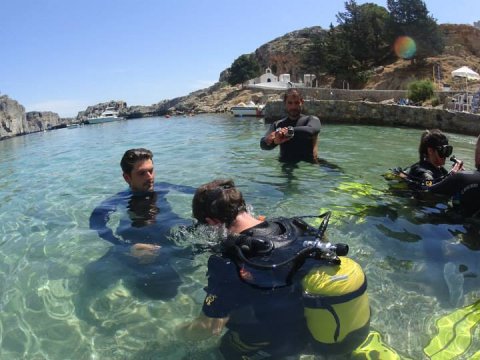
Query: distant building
<point x="284" y="78"/>
<point x="267" y="77"/>
<point x="283" y="81"/>
<point x="309" y="80"/>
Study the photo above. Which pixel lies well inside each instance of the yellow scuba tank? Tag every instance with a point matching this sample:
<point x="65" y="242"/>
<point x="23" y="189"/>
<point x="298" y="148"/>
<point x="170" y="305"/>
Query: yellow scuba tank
<point x="336" y="305"/>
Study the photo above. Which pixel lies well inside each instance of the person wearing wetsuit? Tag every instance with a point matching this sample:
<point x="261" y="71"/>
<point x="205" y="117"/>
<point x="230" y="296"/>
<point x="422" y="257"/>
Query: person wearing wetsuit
<point x="464" y="187"/>
<point x="297" y="134"/>
<point x="262" y="309"/>
<point x="140" y="241"/>
<point x="433" y="151"/>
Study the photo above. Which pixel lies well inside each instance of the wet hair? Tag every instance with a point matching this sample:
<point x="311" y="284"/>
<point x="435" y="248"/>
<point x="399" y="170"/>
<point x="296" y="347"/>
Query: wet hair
<point x="430" y="139"/>
<point x="292" y="91"/>
<point x="132" y="156"/>
<point x="218" y="199"/>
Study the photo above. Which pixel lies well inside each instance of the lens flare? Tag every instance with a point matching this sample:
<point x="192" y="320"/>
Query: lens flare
<point x="405" y="47"/>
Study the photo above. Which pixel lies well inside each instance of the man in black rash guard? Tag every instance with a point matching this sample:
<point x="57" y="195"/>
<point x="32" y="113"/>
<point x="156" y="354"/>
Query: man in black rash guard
<point x="463" y="186"/>
<point x="297" y="134"/>
<point x="141" y="240"/>
<point x="262" y="322"/>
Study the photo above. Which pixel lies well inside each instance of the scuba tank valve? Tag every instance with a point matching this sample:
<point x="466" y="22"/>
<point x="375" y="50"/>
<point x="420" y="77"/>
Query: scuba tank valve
<point x="327" y="250"/>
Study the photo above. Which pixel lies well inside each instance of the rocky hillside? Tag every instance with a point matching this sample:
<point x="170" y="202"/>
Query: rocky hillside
<point x="462" y="48"/>
<point x="96" y="110"/>
<point x="284" y="55"/>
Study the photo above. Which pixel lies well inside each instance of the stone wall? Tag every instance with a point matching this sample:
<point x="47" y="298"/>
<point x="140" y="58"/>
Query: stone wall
<point x="355" y="95"/>
<point x="368" y="113"/>
<point x="352" y="95"/>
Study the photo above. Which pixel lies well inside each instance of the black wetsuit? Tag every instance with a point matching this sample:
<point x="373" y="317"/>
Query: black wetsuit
<point x="263" y="322"/>
<point x="464" y="187"/>
<point x="426" y="171"/>
<point x="303" y="145"/>
<point x="150" y="219"/>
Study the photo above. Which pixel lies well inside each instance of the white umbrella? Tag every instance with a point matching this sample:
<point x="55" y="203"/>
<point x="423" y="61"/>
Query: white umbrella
<point x="467" y="73"/>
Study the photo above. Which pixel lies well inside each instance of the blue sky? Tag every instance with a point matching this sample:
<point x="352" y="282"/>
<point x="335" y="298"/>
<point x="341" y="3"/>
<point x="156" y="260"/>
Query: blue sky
<point x="64" y="55"/>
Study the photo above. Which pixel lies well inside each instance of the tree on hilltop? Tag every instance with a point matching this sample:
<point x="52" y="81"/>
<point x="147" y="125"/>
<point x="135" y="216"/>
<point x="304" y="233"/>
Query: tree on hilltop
<point x="363" y="27"/>
<point x="354" y="46"/>
<point x="411" y="18"/>
<point x="339" y="58"/>
<point x="244" y="68"/>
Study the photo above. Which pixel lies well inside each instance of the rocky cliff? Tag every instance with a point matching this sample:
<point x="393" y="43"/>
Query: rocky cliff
<point x="14" y="121"/>
<point x="12" y="117"/>
<point x="284" y="55"/>
<point x="96" y="110"/>
<point x="42" y="120"/>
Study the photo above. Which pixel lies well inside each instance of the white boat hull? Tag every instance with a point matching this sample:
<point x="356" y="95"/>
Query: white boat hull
<point x="100" y="120"/>
<point x="247" y="111"/>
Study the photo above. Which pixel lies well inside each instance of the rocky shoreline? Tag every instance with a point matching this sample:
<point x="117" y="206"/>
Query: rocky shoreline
<point x="15" y="121"/>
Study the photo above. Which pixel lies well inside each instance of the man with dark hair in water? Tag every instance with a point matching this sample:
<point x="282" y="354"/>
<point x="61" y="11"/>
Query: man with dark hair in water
<point x="141" y="241"/>
<point x="260" y="323"/>
<point x="297" y="134"/>
<point x="254" y="282"/>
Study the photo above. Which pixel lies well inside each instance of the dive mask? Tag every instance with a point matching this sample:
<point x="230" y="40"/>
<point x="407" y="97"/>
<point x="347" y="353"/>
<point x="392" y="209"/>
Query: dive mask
<point x="444" y="151"/>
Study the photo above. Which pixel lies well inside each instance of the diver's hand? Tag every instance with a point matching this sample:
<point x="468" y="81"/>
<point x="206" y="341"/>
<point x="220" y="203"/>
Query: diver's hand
<point x="281" y="136"/>
<point x="145" y="253"/>
<point x="272" y="138"/>
<point x="458" y="166"/>
<point x="202" y="328"/>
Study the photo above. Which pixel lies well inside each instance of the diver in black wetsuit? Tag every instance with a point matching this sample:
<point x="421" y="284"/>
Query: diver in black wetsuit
<point x="297" y="134"/>
<point x="141" y="240"/>
<point x="464" y="187"/>
<point x="260" y="322"/>
<point x="433" y="150"/>
<point x="254" y="284"/>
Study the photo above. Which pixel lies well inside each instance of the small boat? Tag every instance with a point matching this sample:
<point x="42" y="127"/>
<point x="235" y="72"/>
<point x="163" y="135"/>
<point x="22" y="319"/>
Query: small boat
<point x="110" y="114"/>
<point x="249" y="109"/>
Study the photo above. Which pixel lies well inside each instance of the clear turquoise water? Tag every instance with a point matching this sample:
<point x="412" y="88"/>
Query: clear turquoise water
<point x="50" y="182"/>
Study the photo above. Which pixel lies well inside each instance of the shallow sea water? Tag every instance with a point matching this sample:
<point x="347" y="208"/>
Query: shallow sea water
<point x="51" y="181"/>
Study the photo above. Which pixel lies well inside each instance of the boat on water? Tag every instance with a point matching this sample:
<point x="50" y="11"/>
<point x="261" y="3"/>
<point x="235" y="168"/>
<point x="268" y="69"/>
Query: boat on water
<point x="250" y="109"/>
<point x="110" y="114"/>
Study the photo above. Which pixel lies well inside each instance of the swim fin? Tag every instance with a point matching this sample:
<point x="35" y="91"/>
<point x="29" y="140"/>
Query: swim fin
<point x="454" y="335"/>
<point x="373" y="348"/>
